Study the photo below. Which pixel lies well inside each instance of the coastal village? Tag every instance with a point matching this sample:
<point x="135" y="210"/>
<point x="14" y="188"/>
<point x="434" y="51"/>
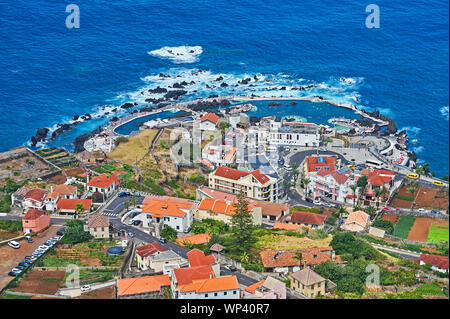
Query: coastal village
<point x="209" y="202"/>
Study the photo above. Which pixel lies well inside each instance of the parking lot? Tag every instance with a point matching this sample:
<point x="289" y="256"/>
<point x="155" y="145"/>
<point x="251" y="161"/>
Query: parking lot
<point x="10" y="257"/>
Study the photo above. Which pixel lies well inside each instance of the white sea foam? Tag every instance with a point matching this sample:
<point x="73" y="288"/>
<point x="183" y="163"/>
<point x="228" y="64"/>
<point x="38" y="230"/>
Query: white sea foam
<point x="418" y="149"/>
<point x="411" y="130"/>
<point x="444" y="111"/>
<point x="181" y="54"/>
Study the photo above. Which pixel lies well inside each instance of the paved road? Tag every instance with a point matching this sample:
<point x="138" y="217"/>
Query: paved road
<point x="114" y="208"/>
<point x="75" y="292"/>
<point x="405" y="254"/>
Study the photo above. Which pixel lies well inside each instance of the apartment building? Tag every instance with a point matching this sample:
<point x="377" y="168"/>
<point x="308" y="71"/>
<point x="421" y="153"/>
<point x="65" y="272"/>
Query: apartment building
<point x="255" y="184"/>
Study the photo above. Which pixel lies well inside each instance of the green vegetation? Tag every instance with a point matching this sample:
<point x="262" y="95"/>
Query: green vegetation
<point x="209" y="226"/>
<point x="197" y="179"/>
<point x="169" y="233"/>
<point x="429" y="289"/>
<point x="10" y="296"/>
<point x="75" y="233"/>
<point x="404" y="197"/>
<point x="403" y="226"/>
<point x="384" y="224"/>
<point x="351" y="248"/>
<point x="242" y="227"/>
<point x="10" y="225"/>
<point x="438" y="233"/>
<point x="154" y="187"/>
<point x="315" y="210"/>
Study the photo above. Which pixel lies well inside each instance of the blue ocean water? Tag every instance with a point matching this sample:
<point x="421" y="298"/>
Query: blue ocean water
<point x="49" y="73"/>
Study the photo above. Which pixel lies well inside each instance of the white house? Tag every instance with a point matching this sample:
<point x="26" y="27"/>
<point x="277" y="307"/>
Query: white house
<point x="330" y="184"/>
<point x="104" y="184"/>
<point x="175" y="213"/>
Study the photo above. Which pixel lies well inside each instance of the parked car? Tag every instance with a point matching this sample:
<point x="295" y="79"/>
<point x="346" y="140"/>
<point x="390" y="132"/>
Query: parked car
<point x="438" y="183"/>
<point x="85" y="288"/>
<point x="421" y="210"/>
<point x="130" y="234"/>
<point x="44" y="247"/>
<point x="29" y="239"/>
<point x="17" y="270"/>
<point x="435" y="211"/>
<point x="136" y="222"/>
<point x="20" y="267"/>
<point x="133" y="214"/>
<point x="28" y="260"/>
<point x="130" y="222"/>
<point x="61" y="231"/>
<point x="14" y="244"/>
<point x="309" y="200"/>
<point x="412" y="176"/>
<point x="123" y="194"/>
<point x="163" y="240"/>
<point x="24" y="264"/>
<point x="230" y="267"/>
<point x="13" y="273"/>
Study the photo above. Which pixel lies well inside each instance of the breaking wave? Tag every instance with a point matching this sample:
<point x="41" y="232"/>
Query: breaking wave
<point x="181" y="54"/>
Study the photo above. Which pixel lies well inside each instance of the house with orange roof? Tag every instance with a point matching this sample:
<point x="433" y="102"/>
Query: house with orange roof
<point x="209" y="122"/>
<point x="196" y="258"/>
<point x="270" y="212"/>
<point x="377" y="179"/>
<point x="170" y="212"/>
<point x="156" y="257"/>
<point x="226" y="287"/>
<point x="103" y="184"/>
<point x="57" y="192"/>
<point x="291" y="260"/>
<point x="270" y="288"/>
<point x="356" y="221"/>
<point x="98" y="226"/>
<point x="307" y="219"/>
<point x="197" y="239"/>
<point x="34" y="198"/>
<point x="143" y="287"/>
<point x="332" y="184"/>
<point x="184" y="276"/>
<point x="35" y="221"/>
<point x="286" y="226"/>
<point x="17" y="198"/>
<point x="255" y="184"/>
<point x="313" y="164"/>
<point x="69" y="205"/>
<point x="222" y="210"/>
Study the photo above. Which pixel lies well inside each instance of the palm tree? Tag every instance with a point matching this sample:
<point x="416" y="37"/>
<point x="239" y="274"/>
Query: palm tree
<point x="133" y="201"/>
<point x="370" y="210"/>
<point x="79" y="209"/>
<point x="245" y="258"/>
<point x="353" y="188"/>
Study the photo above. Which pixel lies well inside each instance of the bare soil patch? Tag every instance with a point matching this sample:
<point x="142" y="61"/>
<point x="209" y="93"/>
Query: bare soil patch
<point x="421" y="226"/>
<point x="391" y="218"/>
<point x="41" y="282"/>
<point x="105" y="293"/>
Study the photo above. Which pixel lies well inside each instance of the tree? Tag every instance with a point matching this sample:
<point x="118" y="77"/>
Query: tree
<point x="79" y="209"/>
<point x="75" y="233"/>
<point x="133" y="201"/>
<point x="412" y="190"/>
<point x="370" y="210"/>
<point x="299" y="256"/>
<point x="169" y="233"/>
<point x="384" y="224"/>
<point x="242" y="226"/>
<point x="353" y="188"/>
<point x="245" y="258"/>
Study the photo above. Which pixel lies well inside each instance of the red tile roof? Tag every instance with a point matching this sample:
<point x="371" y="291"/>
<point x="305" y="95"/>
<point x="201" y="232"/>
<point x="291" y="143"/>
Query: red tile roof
<point x="103" y="181"/>
<point x="214" y="118"/>
<point x="211" y="284"/>
<point x="167" y="207"/>
<point x="437" y="261"/>
<point x="234" y="174"/>
<point x="36" y="194"/>
<point x="285" y="258"/>
<point x="313" y="165"/>
<point x="33" y="214"/>
<point x="307" y="218"/>
<point x="379" y="177"/>
<point x="251" y="289"/>
<point x="194" y="239"/>
<point x="98" y="221"/>
<point x="267" y="208"/>
<point x="141" y="285"/>
<point x="149" y="249"/>
<point x="197" y="257"/>
<point x="71" y="203"/>
<point x="185" y="276"/>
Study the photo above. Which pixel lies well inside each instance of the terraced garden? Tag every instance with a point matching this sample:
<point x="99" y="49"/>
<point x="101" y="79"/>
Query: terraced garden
<point x="403" y="226"/>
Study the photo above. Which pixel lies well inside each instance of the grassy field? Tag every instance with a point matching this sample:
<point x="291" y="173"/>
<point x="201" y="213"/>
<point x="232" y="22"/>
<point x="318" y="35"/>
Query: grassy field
<point x="275" y="241"/>
<point x="438" y="233"/>
<point x="403" y="226"/>
<point x="136" y="147"/>
<point x="429" y="290"/>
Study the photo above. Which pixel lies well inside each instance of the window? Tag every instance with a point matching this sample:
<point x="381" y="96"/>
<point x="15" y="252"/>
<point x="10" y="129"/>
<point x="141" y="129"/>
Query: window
<point x="215" y="294"/>
<point x="178" y="227"/>
<point x="234" y="292"/>
<point x="225" y="293"/>
<point x="206" y="295"/>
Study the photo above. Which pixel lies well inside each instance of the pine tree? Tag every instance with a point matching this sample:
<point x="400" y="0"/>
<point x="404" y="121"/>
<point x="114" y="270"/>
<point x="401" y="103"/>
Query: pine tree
<point x="242" y="226"/>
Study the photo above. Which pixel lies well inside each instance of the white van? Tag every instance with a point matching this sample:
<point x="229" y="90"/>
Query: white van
<point x="14" y="244"/>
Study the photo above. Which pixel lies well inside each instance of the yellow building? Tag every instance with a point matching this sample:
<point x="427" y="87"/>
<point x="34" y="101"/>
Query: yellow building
<point x="308" y="283"/>
<point x="254" y="184"/>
